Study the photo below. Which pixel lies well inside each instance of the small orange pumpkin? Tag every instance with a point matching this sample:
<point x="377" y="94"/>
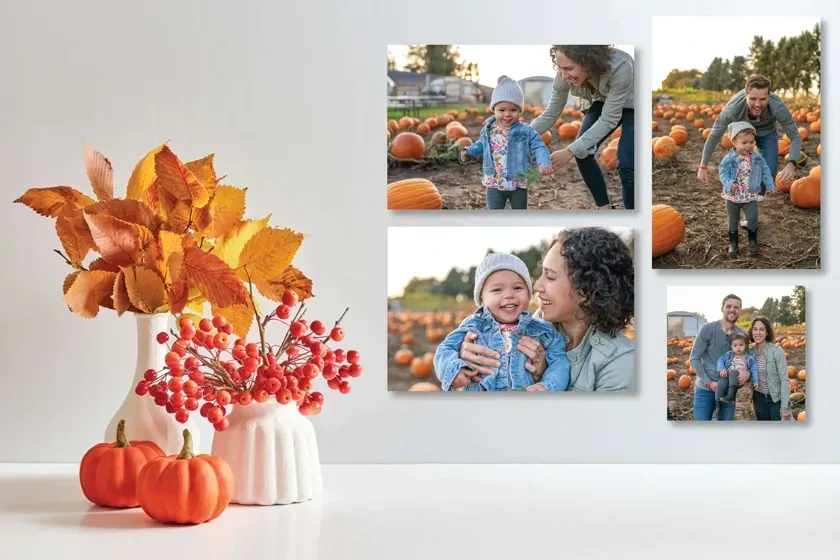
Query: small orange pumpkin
<point x="668" y="229"/>
<point x="108" y="472"/>
<point x="186" y="489"/>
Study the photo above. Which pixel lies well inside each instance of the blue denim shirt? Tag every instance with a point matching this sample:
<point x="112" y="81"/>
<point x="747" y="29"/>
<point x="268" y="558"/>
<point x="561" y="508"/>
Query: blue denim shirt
<point x="726" y="360"/>
<point x="523" y="141"/>
<point x="728" y="169"/>
<point x="511" y="375"/>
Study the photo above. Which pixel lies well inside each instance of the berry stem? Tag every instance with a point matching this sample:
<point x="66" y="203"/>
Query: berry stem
<point x="187" y="449"/>
<point x="122" y="441"/>
<point x="258" y="318"/>
<point x="284" y="344"/>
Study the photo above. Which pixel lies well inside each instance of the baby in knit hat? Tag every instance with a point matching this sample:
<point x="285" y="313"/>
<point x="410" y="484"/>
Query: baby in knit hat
<point x="503" y="291"/>
<point x="742" y="171"/>
<point x="506" y="146"/>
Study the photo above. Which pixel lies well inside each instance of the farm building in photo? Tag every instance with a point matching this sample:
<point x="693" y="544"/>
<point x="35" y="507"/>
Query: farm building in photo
<point x="456" y="90"/>
<point x="537" y="89"/>
<point x="682" y="324"/>
<point x="409" y="83"/>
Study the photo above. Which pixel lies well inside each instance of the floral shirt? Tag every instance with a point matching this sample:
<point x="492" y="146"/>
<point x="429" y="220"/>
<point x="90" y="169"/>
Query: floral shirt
<point x="739" y="363"/>
<point x="763" y="386"/>
<point x="498" y="136"/>
<point x="739" y="193"/>
<point x="507" y="336"/>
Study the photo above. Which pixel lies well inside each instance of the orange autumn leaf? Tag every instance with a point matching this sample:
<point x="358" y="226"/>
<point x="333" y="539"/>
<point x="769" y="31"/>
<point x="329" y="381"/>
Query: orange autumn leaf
<point x="100" y="173"/>
<point x="170" y="256"/>
<point x="227" y="209"/>
<point x="292" y="279"/>
<point x="202" y="219"/>
<point x="231" y="244"/>
<point x="204" y="172"/>
<point x="214" y="279"/>
<point x="120" y="243"/>
<point x="175" y="178"/>
<point x="143" y="175"/>
<point x="133" y="211"/>
<point x="120" y="296"/>
<point x="267" y="254"/>
<point x="102" y="264"/>
<point x="90" y="289"/>
<point x="68" y="281"/>
<point x="75" y="236"/>
<point x="241" y="317"/>
<point x="145" y="289"/>
<point x="177" y="295"/>
<point x="53" y="201"/>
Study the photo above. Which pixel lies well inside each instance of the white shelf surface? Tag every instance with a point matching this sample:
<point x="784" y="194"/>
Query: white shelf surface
<point x="438" y="512"/>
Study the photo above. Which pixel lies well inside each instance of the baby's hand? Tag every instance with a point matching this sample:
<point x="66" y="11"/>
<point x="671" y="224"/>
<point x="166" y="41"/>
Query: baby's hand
<point x="536" y="387"/>
<point x="724" y="373"/>
<point x="544" y="170"/>
<point x="463" y="155"/>
<point x="462" y="379"/>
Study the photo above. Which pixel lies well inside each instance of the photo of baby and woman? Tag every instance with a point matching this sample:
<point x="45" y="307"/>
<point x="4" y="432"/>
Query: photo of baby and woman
<point x="497" y="127"/>
<point x="736" y="353"/>
<point x="511" y="309"/>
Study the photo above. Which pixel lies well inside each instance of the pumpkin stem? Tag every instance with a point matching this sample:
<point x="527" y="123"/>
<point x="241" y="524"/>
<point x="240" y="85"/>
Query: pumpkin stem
<point x="122" y="441"/>
<point x="187" y="450"/>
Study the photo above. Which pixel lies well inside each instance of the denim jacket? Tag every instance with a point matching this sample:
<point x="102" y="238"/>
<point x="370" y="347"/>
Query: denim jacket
<point x="511" y="375"/>
<point x="728" y="169"/>
<point x="523" y="141"/>
<point x="726" y="360"/>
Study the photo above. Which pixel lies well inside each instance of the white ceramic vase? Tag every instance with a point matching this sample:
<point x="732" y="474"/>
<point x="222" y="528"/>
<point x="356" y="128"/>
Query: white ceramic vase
<point x="272" y="452"/>
<point x="144" y="420"/>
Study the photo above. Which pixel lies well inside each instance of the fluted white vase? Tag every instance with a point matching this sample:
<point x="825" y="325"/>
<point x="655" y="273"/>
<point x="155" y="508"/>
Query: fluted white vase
<point x="144" y="420"/>
<point x="272" y="452"/>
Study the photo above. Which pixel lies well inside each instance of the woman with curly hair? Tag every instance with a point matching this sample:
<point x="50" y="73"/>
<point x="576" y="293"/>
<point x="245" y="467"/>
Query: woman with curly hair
<point x="586" y="291"/>
<point x="602" y="76"/>
<point x="771" y="397"/>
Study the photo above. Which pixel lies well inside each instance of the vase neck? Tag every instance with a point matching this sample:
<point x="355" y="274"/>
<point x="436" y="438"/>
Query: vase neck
<point x="150" y="353"/>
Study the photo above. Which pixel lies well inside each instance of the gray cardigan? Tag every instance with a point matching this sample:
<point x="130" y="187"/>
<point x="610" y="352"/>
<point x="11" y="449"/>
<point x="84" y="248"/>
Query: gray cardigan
<point x="614" y="88"/>
<point x="776" y="371"/>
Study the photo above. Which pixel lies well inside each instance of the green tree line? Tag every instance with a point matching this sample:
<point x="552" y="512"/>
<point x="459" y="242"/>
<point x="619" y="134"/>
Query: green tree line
<point x="441" y="60"/>
<point x="792" y="64"/>
<point x="785" y="310"/>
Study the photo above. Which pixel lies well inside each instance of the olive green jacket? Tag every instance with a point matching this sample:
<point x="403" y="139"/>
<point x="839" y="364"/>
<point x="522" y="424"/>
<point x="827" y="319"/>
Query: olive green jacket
<point x="602" y="362"/>
<point x="776" y="368"/>
<point x="614" y="89"/>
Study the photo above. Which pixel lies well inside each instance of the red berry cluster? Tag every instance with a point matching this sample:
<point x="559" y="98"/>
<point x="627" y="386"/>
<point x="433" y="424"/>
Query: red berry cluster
<point x="202" y="365"/>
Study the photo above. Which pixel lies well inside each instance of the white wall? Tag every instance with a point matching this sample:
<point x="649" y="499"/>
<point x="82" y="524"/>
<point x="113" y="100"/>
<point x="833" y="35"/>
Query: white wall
<point x="228" y="78"/>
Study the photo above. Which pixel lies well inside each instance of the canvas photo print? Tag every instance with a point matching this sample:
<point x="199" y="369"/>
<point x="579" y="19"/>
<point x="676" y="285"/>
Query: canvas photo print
<point x="736" y="143"/>
<point x="516" y="127"/>
<point x="511" y="309"/>
<point x="736" y="353"/>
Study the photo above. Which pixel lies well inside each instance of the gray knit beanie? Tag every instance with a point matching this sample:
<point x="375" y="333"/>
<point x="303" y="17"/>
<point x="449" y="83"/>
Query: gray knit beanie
<point x="500" y="261"/>
<point x="737" y="127"/>
<point x="507" y="89"/>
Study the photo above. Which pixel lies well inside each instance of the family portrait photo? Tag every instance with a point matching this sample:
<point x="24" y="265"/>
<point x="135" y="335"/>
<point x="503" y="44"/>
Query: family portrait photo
<point x="736" y="143"/>
<point x="519" y="127"/>
<point x="531" y="309"/>
<point x="736" y="353"/>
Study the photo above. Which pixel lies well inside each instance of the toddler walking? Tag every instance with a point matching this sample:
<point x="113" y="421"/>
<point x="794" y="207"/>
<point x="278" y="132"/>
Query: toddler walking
<point x="502" y="292"/>
<point x="731" y="364"/>
<point x="506" y="145"/>
<point x="742" y="172"/>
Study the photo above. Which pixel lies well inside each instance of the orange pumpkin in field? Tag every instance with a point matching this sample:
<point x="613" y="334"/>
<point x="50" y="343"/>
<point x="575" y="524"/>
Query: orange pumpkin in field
<point x="663" y="147"/>
<point x="805" y="192"/>
<point x="546" y="137"/>
<point x="609" y="158"/>
<point x="421" y="367"/>
<point x="782" y="186"/>
<point x="668" y="228"/>
<point x="567" y="131"/>
<point x="726" y="141"/>
<point x="187" y="489"/>
<point x="816" y="172"/>
<point x="414" y="194"/>
<point x="680" y="136"/>
<point x="403" y="356"/>
<point x="684" y="382"/>
<point x="108" y="472"/>
<point x="424" y="386"/>
<point x="408" y="145"/>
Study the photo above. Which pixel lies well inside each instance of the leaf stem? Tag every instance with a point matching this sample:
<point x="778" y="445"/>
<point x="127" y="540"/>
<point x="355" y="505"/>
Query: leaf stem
<point x="68" y="261"/>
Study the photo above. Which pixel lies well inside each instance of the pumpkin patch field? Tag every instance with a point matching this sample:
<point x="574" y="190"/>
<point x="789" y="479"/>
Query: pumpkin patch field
<point x="413" y="337"/>
<point x="689" y="221"/>
<point x="427" y="149"/>
<point x="680" y="378"/>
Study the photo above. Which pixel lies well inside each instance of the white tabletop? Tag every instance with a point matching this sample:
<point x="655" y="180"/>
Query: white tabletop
<point x="456" y="511"/>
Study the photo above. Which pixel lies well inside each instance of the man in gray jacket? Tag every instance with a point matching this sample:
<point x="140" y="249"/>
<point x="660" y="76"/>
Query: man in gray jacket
<point x="712" y="342"/>
<point x="762" y="109"/>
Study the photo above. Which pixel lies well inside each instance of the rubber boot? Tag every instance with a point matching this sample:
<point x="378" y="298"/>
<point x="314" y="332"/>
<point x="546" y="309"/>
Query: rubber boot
<point x="733" y="243"/>
<point x="753" y="236"/>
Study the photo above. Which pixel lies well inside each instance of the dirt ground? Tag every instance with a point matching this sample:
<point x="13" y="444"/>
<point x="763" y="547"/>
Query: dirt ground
<point x="461" y="189"/>
<point x="400" y="377"/>
<point x="789" y="237"/>
<point x="681" y="401"/>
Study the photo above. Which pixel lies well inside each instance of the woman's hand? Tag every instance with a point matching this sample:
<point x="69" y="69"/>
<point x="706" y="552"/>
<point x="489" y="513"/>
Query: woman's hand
<point x="788" y="174"/>
<point x="787" y="415"/>
<point x="535" y="353"/>
<point x="703" y="176"/>
<point x="560" y="158"/>
<point x="481" y="358"/>
<point x="536" y="387"/>
<point x="713" y="386"/>
<point x="743" y="377"/>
